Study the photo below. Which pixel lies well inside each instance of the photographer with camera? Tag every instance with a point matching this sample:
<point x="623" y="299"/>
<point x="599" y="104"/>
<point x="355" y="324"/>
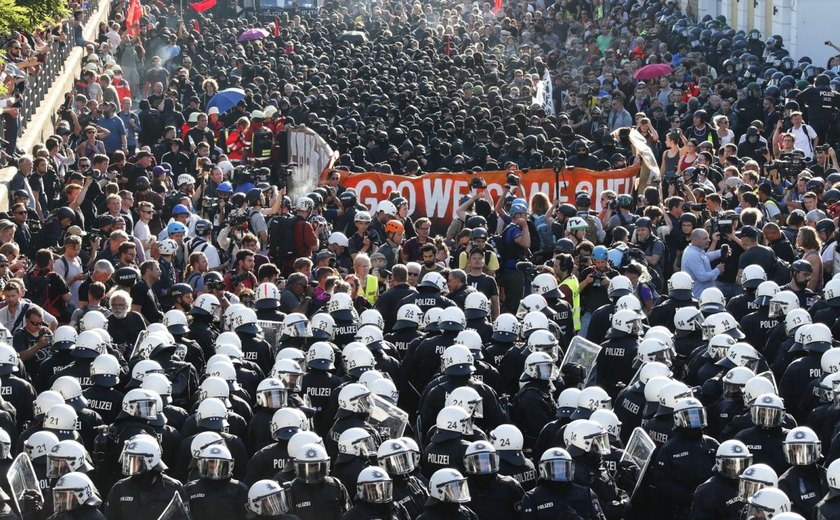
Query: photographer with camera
<point x="594" y="282"/>
<point x="622" y="214"/>
<point x="826" y="159"/>
<point x="33" y="341"/>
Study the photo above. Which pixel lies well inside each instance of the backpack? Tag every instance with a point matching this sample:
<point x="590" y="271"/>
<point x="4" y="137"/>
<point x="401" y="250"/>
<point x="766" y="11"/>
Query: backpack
<point x="261" y="142"/>
<point x="37" y="287"/>
<point x="281" y="234"/>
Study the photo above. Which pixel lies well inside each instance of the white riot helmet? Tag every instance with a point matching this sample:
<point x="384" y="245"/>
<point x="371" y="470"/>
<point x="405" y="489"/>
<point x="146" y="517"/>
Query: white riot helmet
<point x="357" y="442"/>
<point x="817" y="338"/>
<point x="802" y="447"/>
<point x="629" y="302"/>
<point x="228" y="338"/>
<point x="375" y="486"/>
<point x="719" y="345"/>
<point x="140" y="403"/>
<point x="271" y="394"/>
<point x="586" y="436"/>
<point x="545" y="284"/>
<point x="371" y="336"/>
<point x="148" y="346"/>
<point x="755" y="478"/>
<point x="721" y="323"/>
<point x="72" y="491"/>
<point x="244" y="321"/>
<point x="64" y="338"/>
<point x="680" y="286"/>
<point x="395" y="456"/>
<point x="481" y="459"/>
<point x="288" y="371"/>
<point x="782" y="303"/>
<point x="89" y="344"/>
<point x="765" y="292"/>
<point x="176" y="322"/>
<point x="312" y="464"/>
<point x="355" y="398"/>
<point x="205" y="305"/>
<point x="215" y="462"/>
<point x="159" y="384"/>
<point x="594" y="398"/>
<point x="5" y="445"/>
<point x="453" y="420"/>
<point x="71" y="390"/>
<point x="435" y="280"/>
<point x="467" y="398"/>
<point x="652" y="390"/>
<point x="477" y="305"/>
<point x="385" y="388"/>
<point x="734" y="381"/>
<point x="214" y="386"/>
<point x="625" y="323"/>
<point x="732" y="457"/>
<point x="505" y="328"/>
<point x="301" y="439"/>
<point x="144" y="367"/>
<point x="93" y="320"/>
<point x="453" y="319"/>
<point x="448" y="485"/>
<point x="533" y="321"/>
<point x="323" y="326"/>
<point x="831" y="292"/>
<point x="358" y="360"/>
<point x="369" y="377"/>
<point x="540" y="366"/>
<point x="832" y="474"/>
<point x="752" y="276"/>
<point x="767" y="411"/>
<point x="689" y="413"/>
<point x="9" y="359"/>
<point x="567" y="402"/>
<point x="795" y="319"/>
<point x="457" y="360"/>
<point x="712" y="301"/>
<point x="268" y="498"/>
<point x="44" y="401"/>
<point x="619" y="287"/>
<point x="296" y="325"/>
<point x="410" y="315"/>
<point x="105" y="370"/>
<point x="340" y="306"/>
<point x="830" y="361"/>
<point x="140" y="454"/>
<point x="531" y="303"/>
<point x="608" y="420"/>
<point x="740" y="355"/>
<point x="212" y="414"/>
<point x="472" y="340"/>
<point x="431" y="320"/>
<point x="769" y="503"/>
<point x="507" y="438"/>
<point x="557" y="465"/>
<point x="267" y="296"/>
<point x="371" y="317"/>
<point x="65" y="457"/>
<point x="202" y="440"/>
<point x="61" y="417"/>
<point x="544" y="341"/>
<point x="757" y="386"/>
<point x="653" y="369"/>
<point x="687" y="319"/>
<point x="39" y="444"/>
<point x="286" y="422"/>
<point x="650" y="350"/>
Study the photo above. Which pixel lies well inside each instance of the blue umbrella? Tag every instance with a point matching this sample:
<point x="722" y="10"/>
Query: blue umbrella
<point x="226" y="99"/>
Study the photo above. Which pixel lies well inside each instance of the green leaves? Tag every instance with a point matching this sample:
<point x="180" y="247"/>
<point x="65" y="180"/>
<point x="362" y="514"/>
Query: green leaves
<point x="28" y="15"/>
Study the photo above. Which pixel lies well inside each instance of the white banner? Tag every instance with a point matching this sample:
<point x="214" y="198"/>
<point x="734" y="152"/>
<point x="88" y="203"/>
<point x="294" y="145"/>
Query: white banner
<point x="311" y="153"/>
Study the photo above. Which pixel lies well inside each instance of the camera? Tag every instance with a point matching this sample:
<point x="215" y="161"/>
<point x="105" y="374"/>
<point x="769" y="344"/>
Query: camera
<point x="215" y="285"/>
<point x="789" y="164"/>
<point x="512" y="179"/>
<point x="724" y="227"/>
<point x="822" y="148"/>
<point x="89" y="239"/>
<point x="238" y="218"/>
<point x="262" y="174"/>
<point x="526" y="268"/>
<point x="597" y="276"/>
<point x="613" y="204"/>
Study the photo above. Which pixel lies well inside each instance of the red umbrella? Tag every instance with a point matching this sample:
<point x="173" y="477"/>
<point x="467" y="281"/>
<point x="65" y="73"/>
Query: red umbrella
<point x="653" y="71"/>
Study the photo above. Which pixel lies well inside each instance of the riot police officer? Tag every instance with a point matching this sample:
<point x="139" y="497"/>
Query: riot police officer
<point x="492" y="494"/>
<point x="408" y="490"/>
<point x="804" y="481"/>
<point x="758" y="324"/>
<point x="75" y="497"/>
<point x="375" y="497"/>
<point x="269" y="500"/>
<point x="613" y="366"/>
<point x="272" y="458"/>
<point x="448" y="444"/>
<point x="103" y="397"/>
<point x="315" y="494"/>
<point x="557" y="495"/>
<point x="718" y="498"/>
<point x="829" y="507"/>
<point x="533" y="405"/>
<point x="216" y="492"/>
<point x="448" y="495"/>
<point x="203" y="329"/>
<point x="356" y="451"/>
<point x="742" y="304"/>
<point x="588" y="442"/>
<point x="766" y="437"/>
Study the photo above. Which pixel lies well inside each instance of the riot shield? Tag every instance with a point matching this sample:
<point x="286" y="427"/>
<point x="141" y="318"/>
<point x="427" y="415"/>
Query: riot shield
<point x="140" y="337"/>
<point x="583" y="352"/>
<point x="21" y="477"/>
<point x="639" y="451"/>
<point x="387" y="418"/>
<point x="769" y="376"/>
<point x="271" y="331"/>
<point x="176" y="510"/>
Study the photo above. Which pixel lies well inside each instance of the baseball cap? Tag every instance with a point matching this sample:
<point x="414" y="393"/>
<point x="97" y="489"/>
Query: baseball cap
<point x="76" y="231"/>
<point x="749" y="232"/>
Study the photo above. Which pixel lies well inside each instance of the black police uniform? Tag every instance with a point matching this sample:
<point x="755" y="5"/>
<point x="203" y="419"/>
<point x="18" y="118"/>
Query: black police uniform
<point x="60" y="359"/>
<point x="757" y="326"/>
<point x="496" y="350"/>
<point x="21" y="394"/>
<point x="368" y="511"/>
<point x="267" y="462"/>
<point x="514" y="464"/>
<point x="560" y="500"/>
<point x="402" y="338"/>
<point x="793" y="386"/>
<point x="742" y="304"/>
<point x="204" y="333"/>
<point x="140" y="497"/>
<point x="326" y="500"/>
<point x="663" y="313"/>
<point x="679" y="466"/>
<point x="426" y="298"/>
<point x="533" y="408"/>
<point x="805" y="486"/>
<point x="216" y="498"/>
<point x="83" y="512"/>
<point x="346" y="468"/>
<point x="717" y="499"/>
<point x="437" y="510"/>
<point x="446" y="450"/>
<point x="257" y="350"/>
<point x="411" y="493"/>
<point x="614" y="365"/>
<point x="721" y="413"/>
<point x="259" y="429"/>
<point x="590" y="471"/>
<point x="434" y="399"/>
<point x="494" y="496"/>
<point x="629" y="408"/>
<point x="600" y="323"/>
<point x="345" y="421"/>
<point x="421" y="364"/>
<point x="106" y="401"/>
<point x="829" y="507"/>
<point x="765" y="445"/>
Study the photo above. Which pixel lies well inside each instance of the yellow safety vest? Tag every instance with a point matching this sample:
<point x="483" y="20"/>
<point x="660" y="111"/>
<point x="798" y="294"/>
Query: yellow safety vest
<point x="371" y="289"/>
<point x="572" y="283"/>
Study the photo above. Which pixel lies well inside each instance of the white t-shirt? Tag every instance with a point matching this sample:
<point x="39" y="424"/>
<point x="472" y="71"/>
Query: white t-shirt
<point x="68" y="268"/>
<point x="804" y="141"/>
<point x="143" y="234"/>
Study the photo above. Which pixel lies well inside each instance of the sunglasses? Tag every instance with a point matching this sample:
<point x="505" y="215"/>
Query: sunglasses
<point x="36" y="323"/>
<point x="413" y="274"/>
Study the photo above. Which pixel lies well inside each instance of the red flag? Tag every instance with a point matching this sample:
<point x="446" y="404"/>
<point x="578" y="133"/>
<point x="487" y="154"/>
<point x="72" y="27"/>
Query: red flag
<point x="448" y="50"/>
<point x="276" y="27"/>
<point x="497" y="6"/>
<point x="203" y="5"/>
<point x="132" y="16"/>
<point x="196" y="28"/>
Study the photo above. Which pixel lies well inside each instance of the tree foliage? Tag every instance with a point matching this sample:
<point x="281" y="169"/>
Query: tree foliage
<point x="28" y="15"/>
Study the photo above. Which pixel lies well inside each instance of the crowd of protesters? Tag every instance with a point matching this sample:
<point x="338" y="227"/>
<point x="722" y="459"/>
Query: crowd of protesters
<point x="188" y="321"/>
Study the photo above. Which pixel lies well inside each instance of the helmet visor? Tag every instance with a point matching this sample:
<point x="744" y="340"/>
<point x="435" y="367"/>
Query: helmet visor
<point x="777" y="309"/>
<point x="292" y="380"/>
<point x="215" y="469"/>
<point x="457" y="491"/>
<point x="766" y="417"/>
<point x="802" y="454"/>
<point x="732" y="467"/>
<point x="558" y="470"/>
<point x="477" y="408"/>
<point x="57" y="467"/>
<point x="732" y="391"/>
<point x="377" y="492"/>
<point x="301" y="329"/>
<point x="273" y="398"/>
<point x="64" y="500"/>
<point x="398" y="463"/>
<point x="601" y="444"/>
<point x="367" y="446"/>
<point x="312" y="471"/>
<point x="482" y="463"/>
<point x="691" y="418"/>
<point x="544" y="371"/>
<point x="271" y="505"/>
<point x="747" y="488"/>
<point x="145" y="409"/>
<point x="133" y="464"/>
<point x="708" y="331"/>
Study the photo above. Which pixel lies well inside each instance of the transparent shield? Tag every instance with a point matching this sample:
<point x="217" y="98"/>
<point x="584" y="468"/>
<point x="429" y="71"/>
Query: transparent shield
<point x="639" y="450"/>
<point x="176" y="510"/>
<point x="769" y="376"/>
<point x="21" y="477"/>
<point x="387" y="418"/>
<point x="140" y="337"/>
<point x="271" y="332"/>
<point x="583" y="352"/>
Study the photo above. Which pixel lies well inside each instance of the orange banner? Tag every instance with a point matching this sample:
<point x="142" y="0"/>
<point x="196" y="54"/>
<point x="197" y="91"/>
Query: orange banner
<point x="436" y="195"/>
